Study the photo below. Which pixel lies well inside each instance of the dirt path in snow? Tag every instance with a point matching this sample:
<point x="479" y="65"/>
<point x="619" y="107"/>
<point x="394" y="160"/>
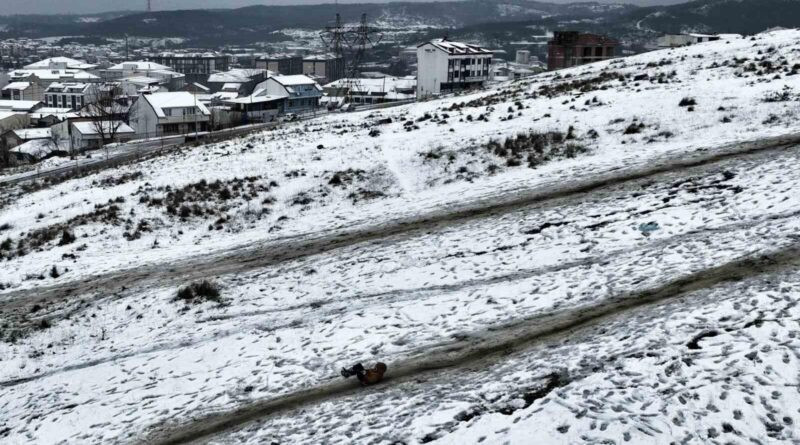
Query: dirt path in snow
<point x="15" y="305"/>
<point x="483" y="348"/>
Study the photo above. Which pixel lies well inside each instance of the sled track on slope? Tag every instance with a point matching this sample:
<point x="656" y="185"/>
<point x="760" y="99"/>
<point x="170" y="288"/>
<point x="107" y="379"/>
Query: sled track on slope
<point x="371" y="299"/>
<point x="488" y="346"/>
<point x="276" y="252"/>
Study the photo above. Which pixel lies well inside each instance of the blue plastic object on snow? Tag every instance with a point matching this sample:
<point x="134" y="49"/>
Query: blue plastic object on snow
<point x="648" y="228"/>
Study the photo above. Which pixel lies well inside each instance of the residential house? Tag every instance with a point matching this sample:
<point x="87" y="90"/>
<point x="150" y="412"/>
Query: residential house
<point x="364" y="91"/>
<point x="72" y="95"/>
<point x="515" y="71"/>
<point x="676" y="40"/>
<point x="13" y="120"/>
<point x="302" y="93"/>
<point x="572" y="48"/>
<point x="89" y="135"/>
<point x="43" y="78"/>
<point x="163" y="114"/>
<point x="164" y="76"/>
<point x="19" y="136"/>
<point x="49" y="116"/>
<point x="25" y="106"/>
<point x="446" y="66"/>
<point x="258" y="107"/>
<point x="22" y="90"/>
<point x="134" y="86"/>
<point x="242" y="81"/>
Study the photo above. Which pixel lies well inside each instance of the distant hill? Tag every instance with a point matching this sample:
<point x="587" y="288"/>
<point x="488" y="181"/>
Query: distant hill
<point x="718" y="16"/>
<point x="254" y="23"/>
<point x="479" y="18"/>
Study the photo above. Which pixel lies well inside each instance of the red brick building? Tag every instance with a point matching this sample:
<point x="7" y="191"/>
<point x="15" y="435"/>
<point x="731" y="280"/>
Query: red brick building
<point x="572" y="48"/>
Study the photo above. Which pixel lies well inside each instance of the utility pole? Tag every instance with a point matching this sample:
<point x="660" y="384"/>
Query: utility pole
<point x="149" y="6"/>
<point x="356" y="38"/>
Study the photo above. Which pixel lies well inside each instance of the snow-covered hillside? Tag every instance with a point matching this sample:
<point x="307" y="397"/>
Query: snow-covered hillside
<point x="585" y="223"/>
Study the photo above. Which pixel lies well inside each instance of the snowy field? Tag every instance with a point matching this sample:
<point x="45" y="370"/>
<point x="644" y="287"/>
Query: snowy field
<point x="94" y="350"/>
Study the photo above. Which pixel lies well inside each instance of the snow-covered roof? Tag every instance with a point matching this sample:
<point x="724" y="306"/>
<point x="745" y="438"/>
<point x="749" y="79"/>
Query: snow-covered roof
<point x="140" y="65"/>
<point x="278" y="56"/>
<point x="254" y="99"/>
<point x="199" y="86"/>
<point x="191" y="55"/>
<point x="141" y="80"/>
<point x="6" y="114"/>
<point x="370" y="85"/>
<point x="90" y="128"/>
<point x="32" y="133"/>
<point x="179" y="99"/>
<point x="18" y="105"/>
<point x="231" y="86"/>
<point x="17" y="86"/>
<point x="236" y="75"/>
<point x="320" y="57"/>
<point x="457" y="48"/>
<point x="53" y="110"/>
<point x="293" y="80"/>
<point x="36" y="148"/>
<point x="225" y="95"/>
<point x="54" y="74"/>
<point x="60" y="62"/>
<point x="75" y="87"/>
<point x="60" y="113"/>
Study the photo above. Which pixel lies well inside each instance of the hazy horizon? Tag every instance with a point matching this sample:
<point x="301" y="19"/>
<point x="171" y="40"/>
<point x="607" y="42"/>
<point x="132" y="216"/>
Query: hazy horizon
<point x="52" y="7"/>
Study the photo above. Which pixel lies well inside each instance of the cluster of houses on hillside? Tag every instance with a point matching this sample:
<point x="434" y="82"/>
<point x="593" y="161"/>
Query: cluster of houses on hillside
<point x="72" y="105"/>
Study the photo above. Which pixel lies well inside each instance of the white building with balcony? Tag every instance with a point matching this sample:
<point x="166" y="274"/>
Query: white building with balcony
<point x="42" y="78"/>
<point x="444" y="66"/>
<point x="164" y="114"/>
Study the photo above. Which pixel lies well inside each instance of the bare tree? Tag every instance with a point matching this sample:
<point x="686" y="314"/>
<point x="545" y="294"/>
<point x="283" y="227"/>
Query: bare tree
<point x="54" y="141"/>
<point x="107" y="109"/>
<point x="43" y="149"/>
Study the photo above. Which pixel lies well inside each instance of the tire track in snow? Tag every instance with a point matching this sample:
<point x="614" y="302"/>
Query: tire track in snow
<point x="293" y="248"/>
<point x="398" y="295"/>
<point x="491" y="345"/>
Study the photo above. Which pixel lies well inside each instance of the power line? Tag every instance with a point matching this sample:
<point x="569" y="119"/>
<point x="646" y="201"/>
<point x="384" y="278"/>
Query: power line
<point x="349" y="44"/>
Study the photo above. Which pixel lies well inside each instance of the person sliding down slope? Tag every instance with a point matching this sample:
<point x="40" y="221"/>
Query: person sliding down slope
<point x="366" y="376"/>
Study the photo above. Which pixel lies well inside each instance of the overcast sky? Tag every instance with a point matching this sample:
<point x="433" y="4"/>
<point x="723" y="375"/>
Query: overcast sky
<point x="90" y="6"/>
